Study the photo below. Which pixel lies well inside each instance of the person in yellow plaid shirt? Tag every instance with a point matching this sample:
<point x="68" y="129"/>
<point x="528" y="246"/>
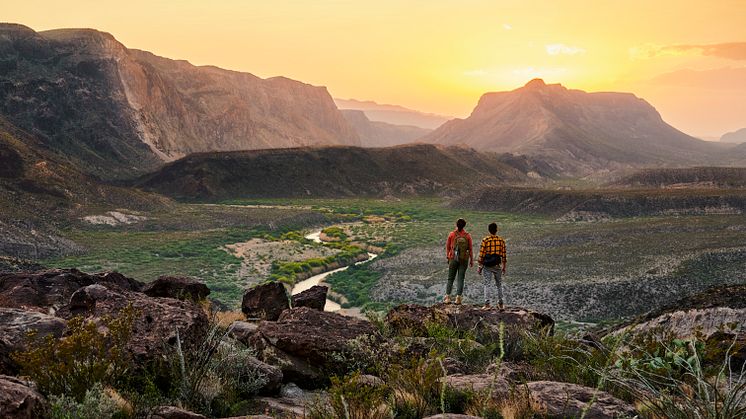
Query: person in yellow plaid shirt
<point x="492" y="262"/>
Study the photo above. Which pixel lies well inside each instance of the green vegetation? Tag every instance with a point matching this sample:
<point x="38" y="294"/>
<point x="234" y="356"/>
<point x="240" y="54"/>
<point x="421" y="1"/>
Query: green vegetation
<point x="335" y="232"/>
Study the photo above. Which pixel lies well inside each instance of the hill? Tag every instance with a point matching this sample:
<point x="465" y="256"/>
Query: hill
<point x="722" y="177"/>
<point x="737" y="137"/>
<point x="336" y="172"/>
<point x="118" y="112"/>
<point x="590" y="205"/>
<point x="39" y="192"/>
<point x="393" y="114"/>
<point x="381" y="134"/>
<point x="578" y="132"/>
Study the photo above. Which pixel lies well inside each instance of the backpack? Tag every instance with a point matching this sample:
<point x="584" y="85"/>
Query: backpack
<point x="491" y="260"/>
<point x="461" y="248"/>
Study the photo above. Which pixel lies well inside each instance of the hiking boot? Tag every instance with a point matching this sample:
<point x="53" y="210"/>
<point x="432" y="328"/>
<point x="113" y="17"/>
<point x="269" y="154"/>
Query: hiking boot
<point x="458" y="299"/>
<point x="486" y="306"/>
<point x="500" y="306"/>
<point x="447" y="299"/>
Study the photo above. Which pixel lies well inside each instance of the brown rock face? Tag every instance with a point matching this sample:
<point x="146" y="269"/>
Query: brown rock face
<point x="314" y="297"/>
<point x="14" y="326"/>
<point x="563" y="400"/>
<point x="120" y="112"/>
<point x="49" y="290"/>
<point x="19" y="400"/>
<point x="177" y="287"/>
<point x="265" y="301"/>
<point x="157" y="321"/>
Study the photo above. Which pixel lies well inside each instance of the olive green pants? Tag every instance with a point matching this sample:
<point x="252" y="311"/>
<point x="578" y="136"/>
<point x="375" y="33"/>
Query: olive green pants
<point x="456" y="271"/>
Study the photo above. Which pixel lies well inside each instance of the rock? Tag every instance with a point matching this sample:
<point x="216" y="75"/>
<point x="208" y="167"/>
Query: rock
<point x="291" y="390"/>
<point x="265" y="301"/>
<point x="281" y="407"/>
<point x="181" y="288"/>
<point x="272" y="376"/>
<point x="562" y="400"/>
<point x="242" y="331"/>
<point x="413" y="319"/>
<point x="173" y="412"/>
<point x="48" y="290"/>
<point x="368" y="380"/>
<point x="314" y="297"/>
<point x="479" y="383"/>
<point x="15" y="324"/>
<point x="19" y="400"/>
<point x="307" y="344"/>
<point x="735" y="344"/>
<point x="156" y="323"/>
<point x="452" y="416"/>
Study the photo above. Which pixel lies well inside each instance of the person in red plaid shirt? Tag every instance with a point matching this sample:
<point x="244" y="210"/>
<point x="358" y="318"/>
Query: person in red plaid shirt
<point x="492" y="262"/>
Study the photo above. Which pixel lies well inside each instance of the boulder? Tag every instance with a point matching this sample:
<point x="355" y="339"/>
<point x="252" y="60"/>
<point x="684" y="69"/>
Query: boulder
<point x="156" y="323"/>
<point x="452" y="416"/>
<point x="307" y="344"/>
<point x="242" y="331"/>
<point x="46" y="291"/>
<point x="15" y="325"/>
<point x="314" y="297"/>
<point x="265" y="301"/>
<point x="181" y="288"/>
<point x="479" y="383"/>
<point x="19" y="399"/>
<point x="413" y="319"/>
<point x="563" y="400"/>
<point x="173" y="412"/>
<point x="272" y="376"/>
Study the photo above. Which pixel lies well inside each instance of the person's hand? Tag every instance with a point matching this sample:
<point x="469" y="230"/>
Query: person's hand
<point x="503" y="269"/>
<point x="471" y="263"/>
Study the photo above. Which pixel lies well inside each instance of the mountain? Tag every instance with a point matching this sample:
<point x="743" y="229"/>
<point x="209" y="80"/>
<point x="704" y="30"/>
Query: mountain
<point x="419" y="169"/>
<point x="39" y="192"/>
<point x="381" y="134"/>
<point x="118" y="112"/>
<point x="708" y="177"/>
<point x="578" y="132"/>
<point x="737" y="137"/>
<point x="393" y="114"/>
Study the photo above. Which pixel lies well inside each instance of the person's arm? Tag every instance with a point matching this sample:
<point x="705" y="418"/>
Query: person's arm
<point x="449" y="246"/>
<point x="471" y="250"/>
<point x="504" y="256"/>
<point x="480" y="260"/>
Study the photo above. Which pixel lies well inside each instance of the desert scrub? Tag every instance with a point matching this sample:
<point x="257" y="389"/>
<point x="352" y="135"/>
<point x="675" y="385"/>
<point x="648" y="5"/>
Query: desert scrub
<point x="355" y="284"/>
<point x="85" y="357"/>
<point x="352" y="398"/>
<point x="286" y="272"/>
<point x="96" y="403"/>
<point x="335" y="232"/>
<point x="462" y="346"/>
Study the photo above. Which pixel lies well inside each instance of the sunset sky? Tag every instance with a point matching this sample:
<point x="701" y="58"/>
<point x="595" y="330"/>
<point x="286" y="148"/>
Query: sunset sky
<point x="688" y="58"/>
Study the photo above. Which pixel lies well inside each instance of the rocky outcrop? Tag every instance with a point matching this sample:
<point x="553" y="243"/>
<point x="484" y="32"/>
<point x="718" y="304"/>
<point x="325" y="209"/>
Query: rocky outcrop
<point x="15" y="326"/>
<point x="19" y="400"/>
<point x="413" y="319"/>
<point x="272" y="376"/>
<point x="157" y="320"/>
<point x="117" y="111"/>
<point x="314" y="297"/>
<point x="48" y="290"/>
<point x="564" y="400"/>
<point x="307" y="344"/>
<point x="265" y="301"/>
<point x="173" y="412"/>
<point x="497" y="386"/>
<point x="177" y="287"/>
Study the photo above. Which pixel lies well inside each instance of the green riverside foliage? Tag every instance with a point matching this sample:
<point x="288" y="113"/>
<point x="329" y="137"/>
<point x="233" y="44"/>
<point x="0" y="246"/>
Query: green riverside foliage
<point x="71" y="366"/>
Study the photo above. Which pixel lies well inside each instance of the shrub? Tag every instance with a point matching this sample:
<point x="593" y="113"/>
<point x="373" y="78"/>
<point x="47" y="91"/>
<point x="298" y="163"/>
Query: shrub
<point x="86" y="356"/>
<point x="96" y="403"/>
<point x="349" y="399"/>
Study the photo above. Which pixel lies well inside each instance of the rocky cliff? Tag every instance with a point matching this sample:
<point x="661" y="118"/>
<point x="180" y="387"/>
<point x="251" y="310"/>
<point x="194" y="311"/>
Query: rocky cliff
<point x="119" y="112"/>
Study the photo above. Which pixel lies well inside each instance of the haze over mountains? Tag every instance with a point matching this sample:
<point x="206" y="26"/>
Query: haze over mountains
<point x="580" y="132"/>
<point x="736" y="137"/>
<point x="393" y="114"/>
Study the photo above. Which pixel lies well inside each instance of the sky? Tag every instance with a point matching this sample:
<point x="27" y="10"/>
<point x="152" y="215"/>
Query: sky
<point x="687" y="58"/>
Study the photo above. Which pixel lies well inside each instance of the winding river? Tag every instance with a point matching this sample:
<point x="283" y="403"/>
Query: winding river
<point x="316" y="279"/>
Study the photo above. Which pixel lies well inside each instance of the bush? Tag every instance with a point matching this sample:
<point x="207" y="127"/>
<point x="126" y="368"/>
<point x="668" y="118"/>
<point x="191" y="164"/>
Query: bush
<point x="350" y="399"/>
<point x="86" y="356"/>
<point x="96" y="403"/>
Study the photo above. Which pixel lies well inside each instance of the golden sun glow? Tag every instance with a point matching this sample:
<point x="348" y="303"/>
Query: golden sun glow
<point x="440" y="56"/>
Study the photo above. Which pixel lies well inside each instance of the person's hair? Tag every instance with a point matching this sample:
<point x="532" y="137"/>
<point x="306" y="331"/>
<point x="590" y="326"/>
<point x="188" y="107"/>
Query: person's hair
<point x="460" y="224"/>
<point x="492" y="228"/>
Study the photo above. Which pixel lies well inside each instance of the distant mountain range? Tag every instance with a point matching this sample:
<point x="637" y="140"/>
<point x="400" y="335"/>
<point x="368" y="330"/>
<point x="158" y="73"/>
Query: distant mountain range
<point x="118" y="112"/>
<point x="394" y="114"/>
<point x="382" y="134"/>
<point x="736" y="137"/>
<point x="578" y="132"/>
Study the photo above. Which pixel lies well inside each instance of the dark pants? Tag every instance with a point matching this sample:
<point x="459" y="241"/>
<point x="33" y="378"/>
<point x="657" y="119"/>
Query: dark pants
<point x="455" y="267"/>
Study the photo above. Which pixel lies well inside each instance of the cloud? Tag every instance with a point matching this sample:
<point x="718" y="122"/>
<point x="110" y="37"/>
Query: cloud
<point x="557" y="49"/>
<point x="728" y="50"/>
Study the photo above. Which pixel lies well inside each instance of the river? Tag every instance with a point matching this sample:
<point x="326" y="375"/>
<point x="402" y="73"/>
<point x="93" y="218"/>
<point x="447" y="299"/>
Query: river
<point x="316" y="279"/>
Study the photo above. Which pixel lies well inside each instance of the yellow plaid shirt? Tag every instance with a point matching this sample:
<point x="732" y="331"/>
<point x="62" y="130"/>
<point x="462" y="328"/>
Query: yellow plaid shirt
<point x="492" y="245"/>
